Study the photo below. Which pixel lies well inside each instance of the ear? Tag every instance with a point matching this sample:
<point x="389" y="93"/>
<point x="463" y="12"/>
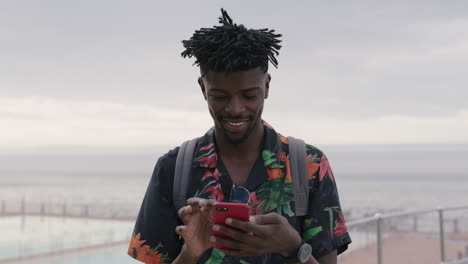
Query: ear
<point x="267" y="85"/>
<point x="202" y="86"/>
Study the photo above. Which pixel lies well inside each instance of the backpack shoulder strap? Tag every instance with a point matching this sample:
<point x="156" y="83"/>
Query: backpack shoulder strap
<point x="297" y="158"/>
<point x="183" y="168"/>
<point x="297" y="153"/>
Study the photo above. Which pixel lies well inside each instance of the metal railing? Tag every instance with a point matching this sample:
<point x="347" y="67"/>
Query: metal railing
<point x="63" y="227"/>
<point x="376" y="222"/>
<point x="378" y="218"/>
<point x="127" y="212"/>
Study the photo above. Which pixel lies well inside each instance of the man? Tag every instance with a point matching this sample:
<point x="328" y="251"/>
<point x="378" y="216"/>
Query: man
<point x="243" y="152"/>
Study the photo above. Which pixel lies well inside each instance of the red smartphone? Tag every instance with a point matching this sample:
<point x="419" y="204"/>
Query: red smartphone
<point x="222" y="210"/>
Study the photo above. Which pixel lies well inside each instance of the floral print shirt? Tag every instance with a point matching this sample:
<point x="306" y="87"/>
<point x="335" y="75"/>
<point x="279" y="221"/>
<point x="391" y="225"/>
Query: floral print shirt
<point x="271" y="190"/>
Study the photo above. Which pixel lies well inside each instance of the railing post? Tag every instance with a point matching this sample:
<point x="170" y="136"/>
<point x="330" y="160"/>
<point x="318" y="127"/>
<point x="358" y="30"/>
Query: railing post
<point x="112" y="211"/>
<point x="42" y="211"/>
<point x="415" y="223"/>
<point x="367" y="237"/>
<point x="379" y="238"/>
<point x="441" y="229"/>
<point x="23" y="206"/>
<point x="23" y="213"/>
<point x="85" y="211"/>
<point x="64" y="209"/>
<point x="455" y="226"/>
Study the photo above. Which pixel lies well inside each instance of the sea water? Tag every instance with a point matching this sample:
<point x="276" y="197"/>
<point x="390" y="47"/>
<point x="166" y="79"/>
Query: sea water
<point x="368" y="182"/>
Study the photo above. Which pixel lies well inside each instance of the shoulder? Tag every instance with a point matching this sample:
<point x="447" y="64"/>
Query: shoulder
<point x="313" y="153"/>
<point x="197" y="146"/>
<point x="163" y="173"/>
<point x="162" y="180"/>
<point x="168" y="160"/>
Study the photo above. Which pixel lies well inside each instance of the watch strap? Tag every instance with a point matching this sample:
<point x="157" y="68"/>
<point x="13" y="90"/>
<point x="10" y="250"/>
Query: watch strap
<point x="303" y="253"/>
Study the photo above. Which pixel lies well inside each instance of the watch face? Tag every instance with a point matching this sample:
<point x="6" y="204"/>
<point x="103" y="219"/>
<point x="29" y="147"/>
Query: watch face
<point x="304" y="252"/>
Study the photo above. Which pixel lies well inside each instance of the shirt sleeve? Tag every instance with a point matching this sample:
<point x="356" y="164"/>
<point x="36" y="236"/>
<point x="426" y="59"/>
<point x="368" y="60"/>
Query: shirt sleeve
<point x="324" y="227"/>
<point x="154" y="239"/>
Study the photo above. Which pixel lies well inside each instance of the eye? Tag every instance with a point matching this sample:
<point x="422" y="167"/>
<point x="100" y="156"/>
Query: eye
<point x="218" y="96"/>
<point x="250" y="96"/>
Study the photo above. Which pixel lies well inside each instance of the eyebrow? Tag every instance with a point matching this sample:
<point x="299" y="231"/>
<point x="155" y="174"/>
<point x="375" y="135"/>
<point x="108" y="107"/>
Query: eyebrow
<point x="246" y="90"/>
<point x="252" y="89"/>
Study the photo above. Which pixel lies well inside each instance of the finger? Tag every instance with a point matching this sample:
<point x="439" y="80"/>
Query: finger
<point x="185" y="213"/>
<point x="194" y="201"/>
<point x="207" y="204"/>
<point x="180" y="230"/>
<point x="184" y="210"/>
<point x="243" y="225"/>
<point x="267" y="219"/>
<point x="235" y="234"/>
<point x="202" y="202"/>
<point x="235" y="245"/>
<point x="211" y="202"/>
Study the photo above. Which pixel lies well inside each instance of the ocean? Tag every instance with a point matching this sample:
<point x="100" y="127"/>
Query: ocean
<point x="370" y="179"/>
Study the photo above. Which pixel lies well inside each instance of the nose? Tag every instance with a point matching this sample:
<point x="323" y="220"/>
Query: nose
<point x="235" y="106"/>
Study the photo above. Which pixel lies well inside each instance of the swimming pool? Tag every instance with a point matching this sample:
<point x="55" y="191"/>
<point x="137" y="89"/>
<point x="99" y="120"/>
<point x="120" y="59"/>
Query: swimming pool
<point x="36" y="239"/>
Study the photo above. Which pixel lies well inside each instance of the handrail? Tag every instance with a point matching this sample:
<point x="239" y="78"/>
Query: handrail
<point x="404" y="213"/>
<point x="458" y="261"/>
<point x="377" y="218"/>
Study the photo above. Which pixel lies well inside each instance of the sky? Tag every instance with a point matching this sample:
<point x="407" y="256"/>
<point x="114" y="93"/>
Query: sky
<point x="109" y="73"/>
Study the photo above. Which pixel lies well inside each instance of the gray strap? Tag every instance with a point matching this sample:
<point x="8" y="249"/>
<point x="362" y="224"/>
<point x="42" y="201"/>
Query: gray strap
<point x="183" y="168"/>
<point x="297" y="158"/>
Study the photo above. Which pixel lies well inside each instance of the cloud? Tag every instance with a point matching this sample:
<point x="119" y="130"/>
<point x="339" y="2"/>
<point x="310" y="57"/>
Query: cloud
<point x="31" y="122"/>
<point x="109" y="73"/>
<point x="52" y="122"/>
<point x="385" y="129"/>
<point x="414" y="53"/>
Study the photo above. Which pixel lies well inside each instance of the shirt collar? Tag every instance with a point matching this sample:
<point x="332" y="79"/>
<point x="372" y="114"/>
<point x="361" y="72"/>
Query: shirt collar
<point x="206" y="156"/>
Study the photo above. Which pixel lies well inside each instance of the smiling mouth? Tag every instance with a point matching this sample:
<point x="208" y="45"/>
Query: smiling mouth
<point x="236" y="124"/>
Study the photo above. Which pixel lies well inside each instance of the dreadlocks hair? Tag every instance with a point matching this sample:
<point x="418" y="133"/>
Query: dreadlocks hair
<point x="231" y="47"/>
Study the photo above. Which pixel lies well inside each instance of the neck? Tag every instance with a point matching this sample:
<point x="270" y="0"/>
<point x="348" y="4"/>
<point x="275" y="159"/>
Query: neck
<point x="249" y="148"/>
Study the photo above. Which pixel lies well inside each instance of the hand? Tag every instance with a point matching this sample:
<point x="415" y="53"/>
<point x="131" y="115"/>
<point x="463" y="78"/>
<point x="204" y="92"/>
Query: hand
<point x="197" y="228"/>
<point x="270" y="233"/>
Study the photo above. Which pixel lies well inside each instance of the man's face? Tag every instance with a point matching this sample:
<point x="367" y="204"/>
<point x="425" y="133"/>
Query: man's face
<point x="235" y="101"/>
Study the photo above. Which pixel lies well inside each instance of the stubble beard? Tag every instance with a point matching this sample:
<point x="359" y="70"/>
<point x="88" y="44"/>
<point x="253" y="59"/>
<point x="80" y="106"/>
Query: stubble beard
<point x="248" y="132"/>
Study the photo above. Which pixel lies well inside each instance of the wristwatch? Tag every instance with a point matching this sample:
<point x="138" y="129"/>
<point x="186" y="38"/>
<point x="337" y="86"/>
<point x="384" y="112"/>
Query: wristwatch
<point x="303" y="254"/>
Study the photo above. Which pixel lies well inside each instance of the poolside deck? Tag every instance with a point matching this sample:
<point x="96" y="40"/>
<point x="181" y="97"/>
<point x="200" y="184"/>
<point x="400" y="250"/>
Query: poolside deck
<point x="406" y="248"/>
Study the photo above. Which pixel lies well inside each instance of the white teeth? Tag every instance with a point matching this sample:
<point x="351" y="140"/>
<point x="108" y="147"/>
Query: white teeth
<point x="236" y="124"/>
